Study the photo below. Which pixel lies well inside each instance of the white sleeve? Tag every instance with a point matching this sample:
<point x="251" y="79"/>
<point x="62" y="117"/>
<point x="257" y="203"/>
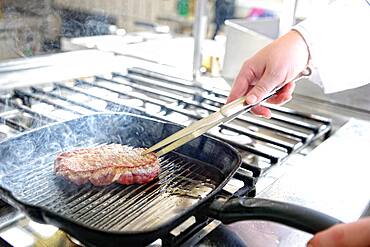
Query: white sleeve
<point x="338" y="38"/>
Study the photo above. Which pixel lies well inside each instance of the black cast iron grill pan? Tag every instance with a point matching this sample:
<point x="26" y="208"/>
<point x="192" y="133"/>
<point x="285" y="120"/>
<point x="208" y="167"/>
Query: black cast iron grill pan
<point x="189" y="183"/>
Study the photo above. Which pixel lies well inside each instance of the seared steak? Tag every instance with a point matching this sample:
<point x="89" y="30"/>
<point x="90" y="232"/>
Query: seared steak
<point x="107" y="164"/>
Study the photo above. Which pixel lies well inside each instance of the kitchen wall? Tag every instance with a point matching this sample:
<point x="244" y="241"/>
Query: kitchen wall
<point x="37" y="7"/>
<point x="23" y="27"/>
<point x="125" y="12"/>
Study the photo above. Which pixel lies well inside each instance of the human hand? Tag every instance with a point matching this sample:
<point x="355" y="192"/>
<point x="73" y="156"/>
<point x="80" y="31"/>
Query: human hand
<point x="278" y="63"/>
<point x="356" y="234"/>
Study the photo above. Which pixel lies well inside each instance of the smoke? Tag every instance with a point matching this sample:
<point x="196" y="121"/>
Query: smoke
<point x="39" y="147"/>
<point x="36" y="27"/>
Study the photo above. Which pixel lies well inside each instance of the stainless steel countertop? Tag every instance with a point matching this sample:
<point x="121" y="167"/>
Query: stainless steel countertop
<point x="24" y="72"/>
<point x="332" y="178"/>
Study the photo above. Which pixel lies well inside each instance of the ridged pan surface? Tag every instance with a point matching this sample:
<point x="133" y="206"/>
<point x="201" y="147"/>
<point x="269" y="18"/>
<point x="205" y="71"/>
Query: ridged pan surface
<point x="198" y="170"/>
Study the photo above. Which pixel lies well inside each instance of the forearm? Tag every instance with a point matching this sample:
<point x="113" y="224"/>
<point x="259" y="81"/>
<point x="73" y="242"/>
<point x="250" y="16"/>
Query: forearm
<point x="338" y="39"/>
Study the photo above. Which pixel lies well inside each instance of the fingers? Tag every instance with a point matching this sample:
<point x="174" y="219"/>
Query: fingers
<point x="261" y="111"/>
<point x="284" y="95"/>
<point x="356" y="234"/>
<point x="243" y="82"/>
<point x="265" y="85"/>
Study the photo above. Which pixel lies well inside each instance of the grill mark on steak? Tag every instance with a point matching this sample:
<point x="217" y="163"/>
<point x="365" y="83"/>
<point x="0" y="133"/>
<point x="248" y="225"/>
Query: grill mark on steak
<point x="107" y="164"/>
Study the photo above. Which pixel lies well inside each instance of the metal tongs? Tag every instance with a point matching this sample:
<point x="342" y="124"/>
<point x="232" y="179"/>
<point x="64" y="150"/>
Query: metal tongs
<point x="226" y="114"/>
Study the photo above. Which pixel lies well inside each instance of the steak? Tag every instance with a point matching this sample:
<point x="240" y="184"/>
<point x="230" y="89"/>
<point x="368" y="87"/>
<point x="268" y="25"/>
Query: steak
<point x="106" y="164"/>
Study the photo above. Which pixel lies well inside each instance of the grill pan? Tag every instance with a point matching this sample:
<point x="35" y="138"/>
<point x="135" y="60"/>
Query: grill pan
<point x="189" y="183"/>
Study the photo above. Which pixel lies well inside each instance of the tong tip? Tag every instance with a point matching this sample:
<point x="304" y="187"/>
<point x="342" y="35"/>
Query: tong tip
<point x="146" y="151"/>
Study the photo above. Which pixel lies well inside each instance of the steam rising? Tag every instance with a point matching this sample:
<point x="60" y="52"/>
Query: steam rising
<point x="40" y="146"/>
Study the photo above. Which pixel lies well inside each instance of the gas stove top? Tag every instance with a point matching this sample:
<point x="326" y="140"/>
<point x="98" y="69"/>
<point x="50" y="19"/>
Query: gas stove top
<point x="263" y="143"/>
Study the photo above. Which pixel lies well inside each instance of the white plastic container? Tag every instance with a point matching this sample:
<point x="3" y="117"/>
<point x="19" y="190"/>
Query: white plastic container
<point x="243" y="39"/>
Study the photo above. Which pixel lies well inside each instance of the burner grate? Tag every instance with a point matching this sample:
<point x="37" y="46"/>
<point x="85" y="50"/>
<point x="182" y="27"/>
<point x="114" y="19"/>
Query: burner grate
<point x="173" y="99"/>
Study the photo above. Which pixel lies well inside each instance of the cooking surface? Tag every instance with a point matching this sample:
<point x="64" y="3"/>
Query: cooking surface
<point x="116" y="207"/>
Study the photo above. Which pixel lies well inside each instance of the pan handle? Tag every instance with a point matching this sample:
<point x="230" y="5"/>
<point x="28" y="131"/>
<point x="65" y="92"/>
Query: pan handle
<point x="245" y="208"/>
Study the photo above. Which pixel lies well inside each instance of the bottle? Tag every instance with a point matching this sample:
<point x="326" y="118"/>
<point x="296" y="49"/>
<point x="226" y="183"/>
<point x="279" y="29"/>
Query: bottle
<point x="183" y="7"/>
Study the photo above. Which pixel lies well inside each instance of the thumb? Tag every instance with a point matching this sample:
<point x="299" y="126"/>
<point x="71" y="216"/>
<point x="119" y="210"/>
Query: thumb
<point x="355" y="234"/>
<point x="265" y="85"/>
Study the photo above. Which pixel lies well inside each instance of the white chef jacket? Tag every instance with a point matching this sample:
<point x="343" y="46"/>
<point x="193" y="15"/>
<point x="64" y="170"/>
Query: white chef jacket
<point x="338" y="38"/>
